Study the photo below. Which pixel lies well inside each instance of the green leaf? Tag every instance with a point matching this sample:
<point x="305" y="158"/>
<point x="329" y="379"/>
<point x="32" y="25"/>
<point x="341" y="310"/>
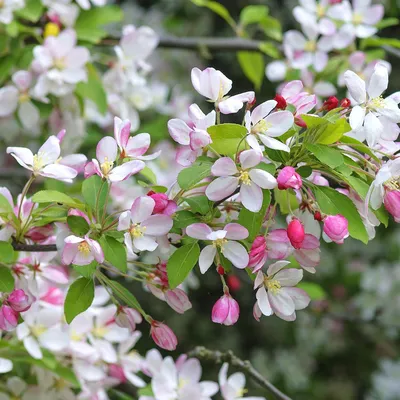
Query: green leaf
<point x="315" y="291"/>
<point x="379" y="42"/>
<point x="181" y="263"/>
<point x="7" y="254"/>
<point x="32" y="11"/>
<point x="286" y="199"/>
<point x="53" y="196"/>
<point x="385" y="23"/>
<point x="93" y="89"/>
<point x="328" y="156"/>
<point x="272" y="28"/>
<point x="184" y="218"/>
<point x="79" y="298"/>
<point x="6" y="65"/>
<point x="253" y="66"/>
<point x="114" y="252"/>
<point x="146" y="391"/>
<point x="304" y="171"/>
<point x="94" y="191"/>
<point x="188" y="177"/>
<point x="78" y="225"/>
<point x="149" y="175"/>
<point x="217" y="8"/>
<point x="227" y="139"/>
<point x="5" y="206"/>
<point x="332" y="202"/>
<point x="89" y="24"/>
<point x="6" y="278"/>
<point x="86" y="271"/>
<point x="253" y="14"/>
<point x="124" y="294"/>
<point x="357" y="145"/>
<point x="270" y="49"/>
<point x="253" y="221"/>
<point x="199" y="204"/>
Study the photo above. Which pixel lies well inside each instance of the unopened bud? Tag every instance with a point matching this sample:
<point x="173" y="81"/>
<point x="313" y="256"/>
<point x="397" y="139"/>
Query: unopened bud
<point x="163" y="336"/>
<point x="288" y="178"/>
<point x="336" y="228"/>
<point x="330" y="103"/>
<point x="281" y="102"/>
<point x="345" y="103"/>
<point x="296" y="233"/>
<point x="225" y="311"/>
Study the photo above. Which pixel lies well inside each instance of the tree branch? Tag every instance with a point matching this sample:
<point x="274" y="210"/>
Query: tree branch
<point x="218" y="357"/>
<point x="33" y="248"/>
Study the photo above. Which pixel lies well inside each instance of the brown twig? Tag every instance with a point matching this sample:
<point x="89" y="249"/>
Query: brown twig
<point x="219" y="357"/>
<point x="33" y="248"/>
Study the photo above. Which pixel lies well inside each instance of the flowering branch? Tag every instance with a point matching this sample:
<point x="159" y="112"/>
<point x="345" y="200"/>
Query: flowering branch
<point x="245" y="366"/>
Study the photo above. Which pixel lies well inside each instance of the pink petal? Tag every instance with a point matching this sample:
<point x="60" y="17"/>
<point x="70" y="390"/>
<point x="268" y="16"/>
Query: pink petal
<point x="236" y="231"/>
<point x="250" y="158"/>
<point x="142" y="208"/>
<point x="23" y="155"/>
<point x="221" y="188"/>
<point x="224" y="166"/>
<point x="281" y="302"/>
<point x="137" y="145"/>
<point x="179" y="131"/>
<point x="198" y="231"/>
<point x="157" y="225"/>
<point x="235" y="103"/>
<point x="122" y="131"/>
<point x="281" y="122"/>
<point x="106" y="150"/>
<point x="126" y="170"/>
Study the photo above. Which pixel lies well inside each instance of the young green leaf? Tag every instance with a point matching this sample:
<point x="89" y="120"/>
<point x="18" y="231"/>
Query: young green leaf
<point x="6" y="278"/>
<point x="328" y="156"/>
<point x="227" y="139"/>
<point x="114" y="252"/>
<point x="315" y="291"/>
<point x="7" y="253"/>
<point x="188" y="177"/>
<point x="332" y="202"/>
<point x="78" y="225"/>
<point x="184" y="218"/>
<point x="32" y="10"/>
<point x="79" y="298"/>
<point x="253" y="66"/>
<point x="253" y="14"/>
<point x="253" y="221"/>
<point x="94" y="191"/>
<point x="53" y="196"/>
<point x="181" y="263"/>
<point x="199" y="204"/>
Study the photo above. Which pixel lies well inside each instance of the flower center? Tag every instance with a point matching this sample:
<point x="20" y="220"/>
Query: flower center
<point x="377" y="102"/>
<point x="84" y="248"/>
<point x="357" y="19"/>
<point x="99" y="331"/>
<point x="219" y="243"/>
<point x="38" y="162"/>
<point x="60" y="384"/>
<point x="244" y="178"/>
<point x="76" y="337"/>
<point x="392" y="184"/>
<point x="261" y="127"/>
<point x="320" y="11"/>
<point x="23" y="97"/>
<point x="310" y="46"/>
<point x="273" y="285"/>
<point x="137" y="231"/>
<point x="59" y="63"/>
<point x="106" y="166"/>
<point x="38" y="330"/>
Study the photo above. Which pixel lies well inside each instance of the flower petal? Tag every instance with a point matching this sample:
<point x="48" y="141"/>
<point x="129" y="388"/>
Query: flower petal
<point x="198" y="231"/>
<point x="224" y="166"/>
<point x="221" y="188"/>
<point x="236" y="231"/>
<point x="206" y="258"/>
<point x="251" y="197"/>
<point x="236" y="254"/>
<point x="142" y="208"/>
<point x="262" y="178"/>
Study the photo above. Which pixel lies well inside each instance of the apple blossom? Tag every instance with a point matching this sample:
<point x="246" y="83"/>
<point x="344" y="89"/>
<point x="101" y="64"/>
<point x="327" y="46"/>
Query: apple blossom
<point x="19" y="301"/>
<point x="225" y="311"/>
<point x="223" y="241"/>
<point x="250" y="179"/>
<point x="276" y="292"/>
<point x="288" y="178"/>
<point x="45" y="162"/>
<point x="258" y="253"/>
<point x="142" y="227"/>
<point x="303" y="101"/>
<point x="81" y="251"/>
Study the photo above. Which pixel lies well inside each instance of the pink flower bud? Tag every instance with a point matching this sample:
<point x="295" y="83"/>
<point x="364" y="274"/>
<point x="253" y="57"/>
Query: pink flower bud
<point x="163" y="336"/>
<point x="61" y="134"/>
<point x="288" y="178"/>
<point x="128" y="318"/>
<point x="225" y="311"/>
<point x="163" y="204"/>
<point x="336" y="228"/>
<point x="8" y="318"/>
<point x="40" y="233"/>
<point x="331" y="103"/>
<point x="19" y="301"/>
<point x="117" y="372"/>
<point x="178" y="300"/>
<point x="295" y="232"/>
<point x="280" y="102"/>
<point x="258" y="253"/>
<point x="392" y="203"/>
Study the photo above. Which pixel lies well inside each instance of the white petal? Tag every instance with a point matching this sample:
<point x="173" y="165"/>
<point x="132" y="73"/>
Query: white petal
<point x="236" y="254"/>
<point x="378" y="82"/>
<point x="221" y="188"/>
<point x="206" y="259"/>
<point x="262" y="178"/>
<point x="251" y="197"/>
<point x="356" y="86"/>
<point x="263" y="301"/>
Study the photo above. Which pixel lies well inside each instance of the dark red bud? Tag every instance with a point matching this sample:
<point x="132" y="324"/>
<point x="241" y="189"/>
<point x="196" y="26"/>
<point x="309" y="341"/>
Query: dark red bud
<point x="299" y="122"/>
<point x="317" y="216"/>
<point x="345" y="103"/>
<point x="330" y="103"/>
<point x="220" y="270"/>
<point x="233" y="282"/>
<point x="281" y="102"/>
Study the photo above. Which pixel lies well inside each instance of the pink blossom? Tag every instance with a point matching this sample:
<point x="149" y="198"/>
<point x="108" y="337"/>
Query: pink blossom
<point x="288" y="178"/>
<point x="142" y="227"/>
<point x="223" y="241"/>
<point x="8" y="318"/>
<point x="293" y="94"/>
<point x="296" y="233"/>
<point x="178" y="300"/>
<point x="54" y="296"/>
<point x="163" y="204"/>
<point x="117" y="372"/>
<point x="225" y="311"/>
<point x="163" y="336"/>
<point x="81" y="251"/>
<point x="258" y="253"/>
<point x="19" y="301"/>
<point x="106" y="154"/>
<point x="392" y="203"/>
<point x="251" y="180"/>
<point x="128" y="318"/>
<point x="336" y="228"/>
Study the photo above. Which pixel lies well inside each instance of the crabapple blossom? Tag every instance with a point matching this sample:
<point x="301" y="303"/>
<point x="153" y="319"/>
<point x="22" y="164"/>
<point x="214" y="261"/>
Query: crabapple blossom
<point x="288" y="178"/>
<point x="266" y="126"/>
<point x="296" y="233"/>
<point x="81" y="251"/>
<point x="163" y="336"/>
<point x="46" y="162"/>
<point x="303" y="101"/>
<point x="258" y="253"/>
<point x="251" y="180"/>
<point x="106" y="153"/>
<point x="19" y="301"/>
<point x="233" y="387"/>
<point x="225" y="311"/>
<point x="128" y="318"/>
<point x="223" y="241"/>
<point x="8" y="318"/>
<point x="371" y="112"/>
<point x="60" y="64"/>
<point x="214" y="85"/>
<point x="163" y="204"/>
<point x="276" y="292"/>
<point x="336" y="228"/>
<point x="142" y="227"/>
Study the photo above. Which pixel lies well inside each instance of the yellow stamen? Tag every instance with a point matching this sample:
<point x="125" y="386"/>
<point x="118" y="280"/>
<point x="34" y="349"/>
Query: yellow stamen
<point x="59" y="63"/>
<point x="51" y="29"/>
<point x="392" y="183"/>
<point x="137" y="231"/>
<point x="357" y="19"/>
<point x="38" y="162"/>
<point x="38" y="330"/>
<point x="377" y="102"/>
<point x="60" y="384"/>
<point x="273" y="285"/>
<point x="261" y="127"/>
<point x="99" y="331"/>
<point x="310" y="46"/>
<point x="320" y="11"/>
<point x="219" y="243"/>
<point x="84" y="248"/>
<point x="23" y="97"/>
<point x="106" y="166"/>
<point x="244" y="178"/>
